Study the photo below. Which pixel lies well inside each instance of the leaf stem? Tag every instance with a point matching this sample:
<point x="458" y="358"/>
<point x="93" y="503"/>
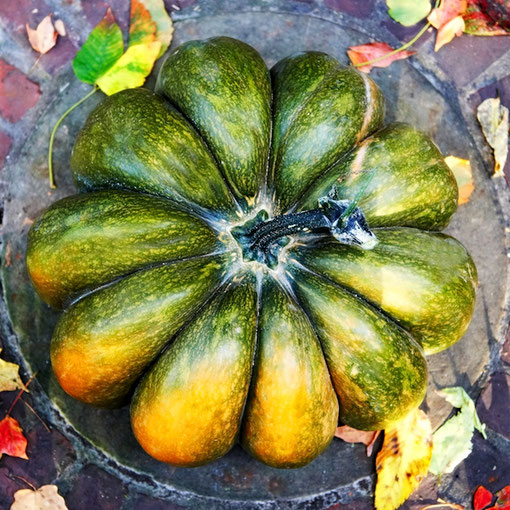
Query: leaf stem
<point x="52" y="137"/>
<point x="18" y="396"/>
<point x="398" y="50"/>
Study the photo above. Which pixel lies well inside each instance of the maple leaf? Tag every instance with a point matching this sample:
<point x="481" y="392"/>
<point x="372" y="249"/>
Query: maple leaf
<point x="493" y="117"/>
<point x="12" y="440"/>
<point x="461" y="169"/>
<point x="351" y="435"/>
<point x="44" y="37"/>
<point x="372" y="51"/>
<point x="9" y="376"/>
<point x="448" y="20"/>
<point x="482" y="498"/>
<point x="453" y="440"/>
<point x="408" y="12"/>
<point x="403" y="460"/>
<point x="45" y="497"/>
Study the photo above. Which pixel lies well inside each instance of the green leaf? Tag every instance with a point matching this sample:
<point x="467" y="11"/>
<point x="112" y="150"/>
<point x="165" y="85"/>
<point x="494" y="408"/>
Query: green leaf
<point x="408" y="12"/>
<point x="101" y="50"/>
<point x="142" y="29"/>
<point x="164" y="26"/>
<point x="131" y="69"/>
<point x="453" y="440"/>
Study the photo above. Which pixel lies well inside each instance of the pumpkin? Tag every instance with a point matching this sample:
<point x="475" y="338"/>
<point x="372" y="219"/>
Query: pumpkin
<point x="254" y="255"/>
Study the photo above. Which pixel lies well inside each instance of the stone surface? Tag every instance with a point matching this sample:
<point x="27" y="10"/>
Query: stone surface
<point x="17" y="92"/>
<point x="95" y="488"/>
<point x="493" y="406"/>
<point x="5" y="146"/>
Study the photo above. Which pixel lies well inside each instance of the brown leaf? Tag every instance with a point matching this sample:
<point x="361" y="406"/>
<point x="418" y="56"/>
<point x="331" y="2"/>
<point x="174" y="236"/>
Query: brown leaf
<point x="45" y="497"/>
<point x="372" y="51"/>
<point x="44" y="37"/>
<point x="403" y="460"/>
<point x="461" y="169"/>
<point x="493" y="117"/>
<point x="351" y="435"/>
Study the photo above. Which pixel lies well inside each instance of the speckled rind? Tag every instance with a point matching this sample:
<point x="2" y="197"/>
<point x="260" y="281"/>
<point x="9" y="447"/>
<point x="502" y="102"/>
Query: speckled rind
<point x="136" y="140"/>
<point x="84" y="241"/>
<point x="292" y="412"/>
<point x="223" y="86"/>
<point x="187" y="410"/>
<point x="103" y="342"/>
<point x="379" y="372"/>
<point x="424" y="281"/>
<point x="410" y="186"/>
<point x="336" y="110"/>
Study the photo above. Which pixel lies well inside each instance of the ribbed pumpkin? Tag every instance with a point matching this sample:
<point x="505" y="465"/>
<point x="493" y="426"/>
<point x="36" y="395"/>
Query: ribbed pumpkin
<point x="255" y="254"/>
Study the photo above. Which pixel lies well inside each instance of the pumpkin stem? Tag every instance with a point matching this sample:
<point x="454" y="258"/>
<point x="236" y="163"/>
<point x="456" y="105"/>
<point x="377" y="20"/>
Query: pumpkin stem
<point x="261" y="239"/>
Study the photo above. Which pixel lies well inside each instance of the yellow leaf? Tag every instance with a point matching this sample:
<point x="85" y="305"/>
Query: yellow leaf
<point x="461" y="169"/>
<point x="45" y="497"/>
<point x="447" y="32"/>
<point x="9" y="376"/>
<point x="403" y="460"/>
<point x="131" y="68"/>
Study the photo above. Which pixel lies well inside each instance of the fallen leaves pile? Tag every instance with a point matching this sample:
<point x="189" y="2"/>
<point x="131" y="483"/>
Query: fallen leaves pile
<point x="451" y="18"/>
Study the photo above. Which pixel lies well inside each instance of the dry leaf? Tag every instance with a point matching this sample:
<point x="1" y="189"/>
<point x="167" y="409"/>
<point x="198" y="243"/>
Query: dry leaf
<point x="44" y="37"/>
<point x="8" y="255"/>
<point x="493" y="118"/>
<point x="447" y="10"/>
<point x="372" y="51"/>
<point x="60" y="27"/>
<point x="403" y="460"/>
<point x="447" y="18"/>
<point x="446" y="33"/>
<point x="9" y="376"/>
<point x="351" y="435"/>
<point x="44" y="498"/>
<point x="461" y="169"/>
<point x="12" y="440"/>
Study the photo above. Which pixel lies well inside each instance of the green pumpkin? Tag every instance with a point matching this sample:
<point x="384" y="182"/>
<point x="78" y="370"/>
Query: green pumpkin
<point x="253" y="255"/>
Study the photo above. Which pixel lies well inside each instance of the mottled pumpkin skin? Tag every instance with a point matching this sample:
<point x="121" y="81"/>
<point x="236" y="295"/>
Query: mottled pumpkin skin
<point x="158" y="299"/>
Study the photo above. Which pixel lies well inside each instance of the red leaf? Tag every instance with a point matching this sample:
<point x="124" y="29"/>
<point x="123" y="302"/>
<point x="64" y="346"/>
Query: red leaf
<point x="350" y="435"/>
<point x="482" y="498"/>
<point x="372" y="51"/>
<point x="503" y="496"/>
<point x="12" y="440"/>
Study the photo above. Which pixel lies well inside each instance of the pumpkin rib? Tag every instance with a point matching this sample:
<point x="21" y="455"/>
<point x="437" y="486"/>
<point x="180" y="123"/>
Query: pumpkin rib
<point x="95" y="338"/>
<point x="80" y="242"/>
<point x="356" y="296"/>
<point x="456" y="274"/>
<point x="273" y="430"/>
<point x="383" y="416"/>
<point x="327" y="76"/>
